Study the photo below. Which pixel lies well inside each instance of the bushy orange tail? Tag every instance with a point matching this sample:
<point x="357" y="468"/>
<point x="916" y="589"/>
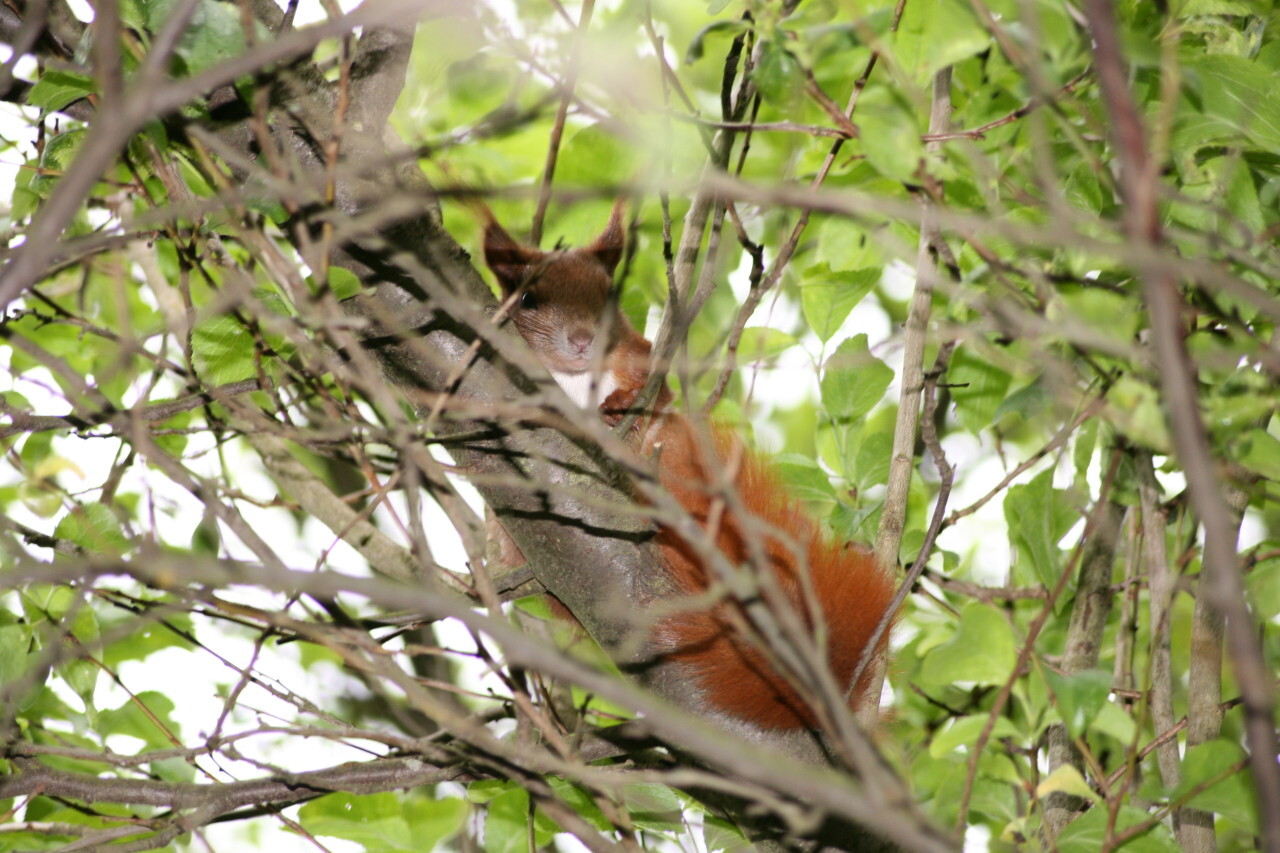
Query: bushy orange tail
<point x="735" y="677"/>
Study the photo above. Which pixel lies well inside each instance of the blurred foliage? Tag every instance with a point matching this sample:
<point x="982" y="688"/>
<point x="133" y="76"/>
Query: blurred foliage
<point x="1038" y="289"/>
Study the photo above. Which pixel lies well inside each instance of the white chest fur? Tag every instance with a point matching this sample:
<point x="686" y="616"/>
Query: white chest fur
<point x="586" y="389"/>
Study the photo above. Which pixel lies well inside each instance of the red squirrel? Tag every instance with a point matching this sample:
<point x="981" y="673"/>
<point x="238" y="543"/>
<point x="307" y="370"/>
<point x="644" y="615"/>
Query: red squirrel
<point x="560" y="303"/>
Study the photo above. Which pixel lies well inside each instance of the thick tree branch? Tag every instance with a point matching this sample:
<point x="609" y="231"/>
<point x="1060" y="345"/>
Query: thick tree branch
<point x="1204" y="692"/>
<point x="387" y="774"/>
<point x="1161" y="588"/>
<point x="1089" y="613"/>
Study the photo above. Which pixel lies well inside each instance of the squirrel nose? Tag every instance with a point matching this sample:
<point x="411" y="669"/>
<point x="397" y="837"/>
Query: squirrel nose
<point x="580" y="340"/>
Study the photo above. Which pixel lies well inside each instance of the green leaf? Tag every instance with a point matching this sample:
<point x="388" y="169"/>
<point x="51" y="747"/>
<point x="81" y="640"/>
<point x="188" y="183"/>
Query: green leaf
<point x="1239" y="93"/>
<point x="981" y="627"/>
<point x="149" y="638"/>
<point x="36" y="840"/>
<point x="1066" y="779"/>
<point x="147" y="716"/>
<point x="25" y="200"/>
<point x="214" y="34"/>
<point x="1039" y="516"/>
<point x="1086" y="441"/>
<point x="1230" y="792"/>
<point x="173" y="442"/>
<point x="506" y="824"/>
<point x="1115" y="723"/>
<point x="206" y="539"/>
<point x="871" y="461"/>
<point x="373" y="820"/>
<point x="223" y="349"/>
<point x="16" y="401"/>
<point x="386" y="822"/>
<point x="935" y="34"/>
<point x="55" y="89"/>
<point x="595" y="157"/>
<point x="174" y="769"/>
<point x="697" y="45"/>
<point x="1229" y="413"/>
<point x="844" y="245"/>
<point x="978" y="388"/>
<point x="827" y="298"/>
<point x="761" y="344"/>
<point x="653" y="807"/>
<point x="1100" y="311"/>
<point x="891" y="141"/>
<point x="1080" y="697"/>
<point x="36" y="449"/>
<point x="804" y="478"/>
<point x="31" y="841"/>
<point x="343" y="283"/>
<point x="1084" y="190"/>
<point x="581" y="801"/>
<point x="1260" y="452"/>
<point x="778" y="74"/>
<point x="51" y="602"/>
<point x="95" y="528"/>
<point x="81" y="675"/>
<point x="1027" y="402"/>
<point x="1135" y="410"/>
<point x="964" y="732"/>
<point x="132" y="14"/>
<point x="1087" y="833"/>
<point x="59" y="152"/>
<point x="432" y="821"/>
<point x="719" y="834"/>
<point x="853" y="380"/>
<point x="1263" y="586"/>
<point x="15" y="647"/>
<point x="484" y="790"/>
<point x="1214" y="7"/>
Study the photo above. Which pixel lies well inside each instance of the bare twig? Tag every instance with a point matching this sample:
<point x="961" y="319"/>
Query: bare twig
<point x="1020" y="113"/>
<point x="557" y="127"/>
<point x="1204" y="693"/>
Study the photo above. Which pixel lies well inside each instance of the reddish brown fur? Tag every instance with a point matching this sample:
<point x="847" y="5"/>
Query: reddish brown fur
<point x="571" y="290"/>
<point x="852" y="593"/>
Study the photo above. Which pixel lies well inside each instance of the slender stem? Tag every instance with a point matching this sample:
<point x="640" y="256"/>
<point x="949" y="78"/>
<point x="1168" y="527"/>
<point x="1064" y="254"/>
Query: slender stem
<point x="557" y="127"/>
<point x="893" y="515"/>
<point x="1221" y="582"/>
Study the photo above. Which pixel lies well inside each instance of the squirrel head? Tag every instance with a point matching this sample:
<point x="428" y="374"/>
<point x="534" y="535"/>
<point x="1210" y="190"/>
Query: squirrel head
<point x="561" y="301"/>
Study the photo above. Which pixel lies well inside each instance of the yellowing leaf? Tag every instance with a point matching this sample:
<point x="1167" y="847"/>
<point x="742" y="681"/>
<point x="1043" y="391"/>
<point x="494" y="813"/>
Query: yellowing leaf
<point x="1067" y="780"/>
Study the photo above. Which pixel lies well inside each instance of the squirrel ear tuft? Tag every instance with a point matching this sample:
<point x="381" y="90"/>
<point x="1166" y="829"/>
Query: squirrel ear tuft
<point x="608" y="247"/>
<point x="509" y="260"/>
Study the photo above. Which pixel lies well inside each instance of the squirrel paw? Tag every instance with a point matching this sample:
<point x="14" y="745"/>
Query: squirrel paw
<point x="617" y="404"/>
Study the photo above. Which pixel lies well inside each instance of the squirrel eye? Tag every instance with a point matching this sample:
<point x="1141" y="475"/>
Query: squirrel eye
<point x="528" y="301"/>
